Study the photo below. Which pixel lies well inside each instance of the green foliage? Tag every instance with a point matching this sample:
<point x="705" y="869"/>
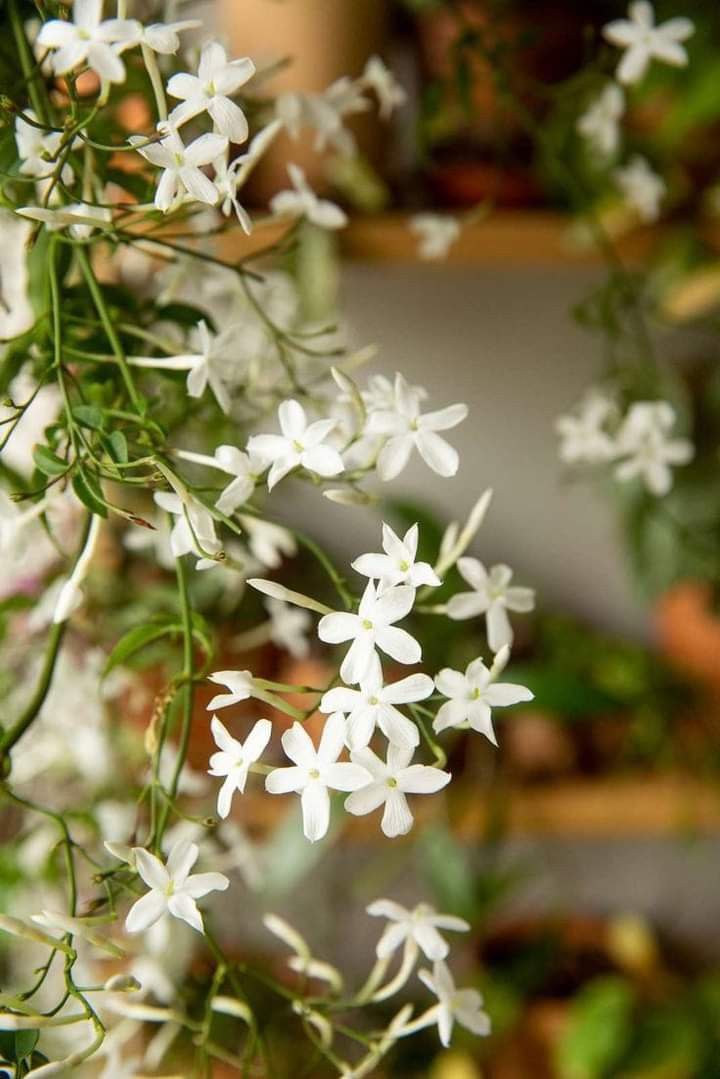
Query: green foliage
<point x="599" y="1031"/>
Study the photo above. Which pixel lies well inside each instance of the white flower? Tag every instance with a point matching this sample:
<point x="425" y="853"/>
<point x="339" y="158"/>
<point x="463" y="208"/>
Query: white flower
<point x="642" y="188"/>
<point x="373" y="705"/>
<point x="289" y="627"/>
<point x="182" y="174"/>
<point x="37" y="149"/>
<point x="644" y="41"/>
<point x="492" y="597"/>
<point x="240" y="686"/>
<point x="436" y="234"/>
<point x="472" y="695"/>
<point x="163" y="37"/>
<point x="463" y="1005"/>
<point x="89" y="40"/>
<point x="389" y="782"/>
<point x="172" y="890"/>
<point x="194" y="529"/>
<point x="300" y="444"/>
<point x="247" y="469"/>
<point x="234" y="759"/>
<point x="80" y="219"/>
<point x="230" y="176"/>
<point x="324" y="112"/>
<point x="643" y="441"/>
<point x="407" y="428"/>
<point x="207" y="367"/>
<point x="600" y="123"/>
<point x="397" y="565"/>
<point x="314" y="771"/>
<point x="372" y="627"/>
<point x="419" y="925"/>
<point x="210" y="91"/>
<point x="390" y="94"/>
<point x="70" y="595"/>
<point x="303" y="202"/>
<point x="268" y="542"/>
<point x="583" y="439"/>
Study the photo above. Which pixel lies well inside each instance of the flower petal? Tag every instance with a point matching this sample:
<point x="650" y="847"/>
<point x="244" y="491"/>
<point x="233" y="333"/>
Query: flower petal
<point x="397" y="818"/>
<point x="316" y="811"/>
<point x="145" y="912"/>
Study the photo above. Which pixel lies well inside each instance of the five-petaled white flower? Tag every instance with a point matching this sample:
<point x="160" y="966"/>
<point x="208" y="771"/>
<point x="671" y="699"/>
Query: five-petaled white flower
<point x="397" y="565"/>
<point x="408" y="428"/>
<point x="374" y="705"/>
<point x="583" y="438"/>
<point x="239" y="684"/>
<point x="163" y="38"/>
<point x="209" y="366"/>
<point x="302" y="201"/>
<point x="300" y="444"/>
<point x="289" y="627"/>
<point x="37" y="149"/>
<point x="600" y="123"/>
<point x="314" y="771"/>
<point x="461" y="1005"/>
<point x="643" y="189"/>
<point x="372" y="627"/>
<point x="172" y="890"/>
<point x="231" y="175"/>
<point x="378" y="78"/>
<point x="436" y="234"/>
<point x="644" y="41"/>
<point x="388" y="784"/>
<point x="648" y="451"/>
<point x="419" y="925"/>
<point x="89" y="39"/>
<point x="234" y="759"/>
<point x="491" y="596"/>
<point x="194" y="529"/>
<point x="210" y="91"/>
<point x="472" y="696"/>
<point x="182" y="173"/>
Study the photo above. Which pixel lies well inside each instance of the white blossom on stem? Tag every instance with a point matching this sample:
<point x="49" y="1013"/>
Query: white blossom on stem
<point x="473" y="695"/>
<point x="644" y="41"/>
<point x="583" y="435"/>
<point x="648" y="451"/>
<point x="163" y="38"/>
<point x="642" y="188"/>
<point x="372" y="627"/>
<point x="172" y="889"/>
<point x="289" y="627"/>
<point x="194" y="529"/>
<point x="89" y="40"/>
<point x="234" y="759"/>
<point x="301" y="201"/>
<point x="454" y="1005"/>
<point x="388" y="784"/>
<point x="240" y="686"/>
<point x="314" y="771"/>
<point x="600" y="123"/>
<point x="436" y="234"/>
<point x="378" y="78"/>
<point x="420" y="925"/>
<point x="397" y="565"/>
<point x="492" y="596"/>
<point x="37" y="149"/>
<point x="209" y="366"/>
<point x="407" y="428"/>
<point x="247" y="468"/>
<point x="374" y="705"/>
<point x="211" y="90"/>
<point x="231" y="175"/>
<point x="182" y="173"/>
<point x="300" y="445"/>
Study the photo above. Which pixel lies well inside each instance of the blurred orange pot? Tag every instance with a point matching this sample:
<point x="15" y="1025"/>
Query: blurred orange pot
<point x="688" y="631"/>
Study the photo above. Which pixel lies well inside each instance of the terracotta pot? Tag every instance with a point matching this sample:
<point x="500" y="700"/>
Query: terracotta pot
<point x="323" y="40"/>
<point x="688" y="631"/>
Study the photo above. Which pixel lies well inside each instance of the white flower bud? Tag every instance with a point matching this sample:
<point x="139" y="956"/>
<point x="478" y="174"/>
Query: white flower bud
<point x="278" y="591"/>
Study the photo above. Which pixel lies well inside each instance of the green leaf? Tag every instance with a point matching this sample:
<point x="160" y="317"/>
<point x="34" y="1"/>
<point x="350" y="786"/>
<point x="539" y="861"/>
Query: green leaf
<point x="16" y="1045"/>
<point x="117" y="447"/>
<point x="88" y="416"/>
<point x="48" y="462"/>
<point x="136" y="639"/>
<point x="599" y="1031"/>
<point x="89" y="493"/>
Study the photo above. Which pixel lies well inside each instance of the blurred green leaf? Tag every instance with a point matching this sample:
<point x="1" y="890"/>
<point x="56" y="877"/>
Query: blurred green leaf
<point x="599" y="1031"/>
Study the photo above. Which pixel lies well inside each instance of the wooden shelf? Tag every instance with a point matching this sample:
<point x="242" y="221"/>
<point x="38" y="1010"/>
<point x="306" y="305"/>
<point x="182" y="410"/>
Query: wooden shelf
<point x="505" y="238"/>
<point x="614" y="808"/>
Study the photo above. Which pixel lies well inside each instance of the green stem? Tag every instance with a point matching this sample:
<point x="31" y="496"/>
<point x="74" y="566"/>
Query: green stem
<point x="30" y="69"/>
